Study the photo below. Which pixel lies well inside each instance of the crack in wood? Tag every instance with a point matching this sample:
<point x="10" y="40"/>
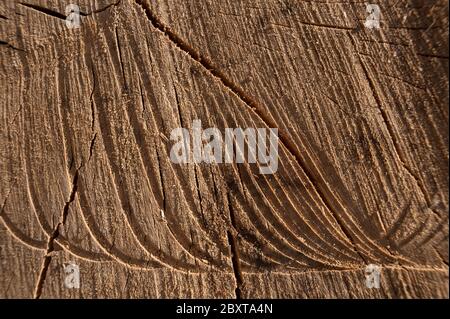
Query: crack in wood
<point x="61" y="16"/>
<point x="346" y="220"/>
<point x="319" y="184"/>
<point x="51" y="241"/>
<point x="9" y="45"/>
<point x="44" y="10"/>
<point x="389" y="126"/>
<point x="235" y="260"/>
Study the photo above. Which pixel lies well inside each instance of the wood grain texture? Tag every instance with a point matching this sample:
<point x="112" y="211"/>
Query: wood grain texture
<point x="86" y="177"/>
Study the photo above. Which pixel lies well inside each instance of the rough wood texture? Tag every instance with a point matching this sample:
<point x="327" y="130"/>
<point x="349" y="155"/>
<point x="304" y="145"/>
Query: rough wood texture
<point x="86" y="177"/>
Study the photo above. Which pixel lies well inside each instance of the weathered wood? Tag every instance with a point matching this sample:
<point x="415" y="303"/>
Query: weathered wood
<point x="86" y="177"/>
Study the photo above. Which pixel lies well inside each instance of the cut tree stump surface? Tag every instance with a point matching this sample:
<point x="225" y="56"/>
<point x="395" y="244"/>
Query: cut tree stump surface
<point x="85" y="170"/>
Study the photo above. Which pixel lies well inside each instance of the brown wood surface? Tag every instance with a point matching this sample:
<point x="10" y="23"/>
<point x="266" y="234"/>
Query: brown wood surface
<point x="85" y="173"/>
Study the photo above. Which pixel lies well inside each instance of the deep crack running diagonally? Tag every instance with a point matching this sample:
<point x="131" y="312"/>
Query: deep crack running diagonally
<point x="51" y="240"/>
<point x="206" y="63"/>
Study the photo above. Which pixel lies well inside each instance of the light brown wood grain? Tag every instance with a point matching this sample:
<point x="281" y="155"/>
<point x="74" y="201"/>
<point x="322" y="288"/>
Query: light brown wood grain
<point x="86" y="177"/>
